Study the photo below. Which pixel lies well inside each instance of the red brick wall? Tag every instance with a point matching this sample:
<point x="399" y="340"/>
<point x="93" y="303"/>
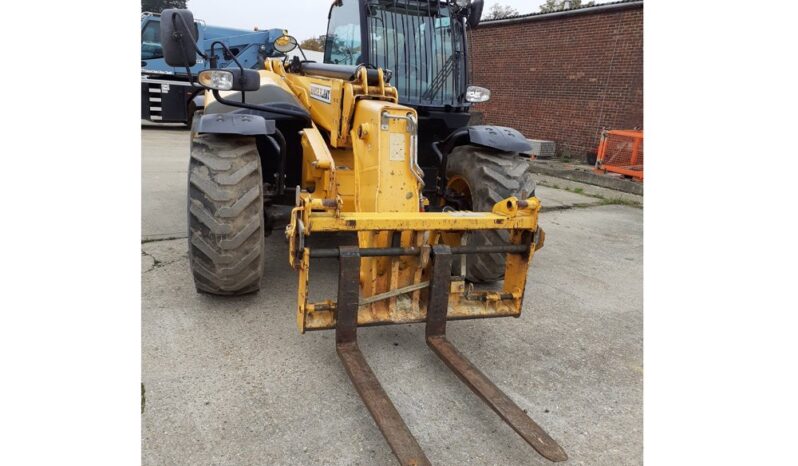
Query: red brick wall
<point x="563" y="78"/>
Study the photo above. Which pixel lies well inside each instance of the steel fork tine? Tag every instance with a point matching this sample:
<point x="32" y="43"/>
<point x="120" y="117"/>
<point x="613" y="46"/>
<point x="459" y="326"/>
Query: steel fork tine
<point x="478" y="382"/>
<point x="382" y="409"/>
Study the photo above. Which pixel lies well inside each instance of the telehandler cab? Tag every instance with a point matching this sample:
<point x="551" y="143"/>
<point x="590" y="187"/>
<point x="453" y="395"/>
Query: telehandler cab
<point x="340" y="134"/>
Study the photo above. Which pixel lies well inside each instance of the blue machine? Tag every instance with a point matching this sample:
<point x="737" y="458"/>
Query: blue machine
<point x="166" y="93"/>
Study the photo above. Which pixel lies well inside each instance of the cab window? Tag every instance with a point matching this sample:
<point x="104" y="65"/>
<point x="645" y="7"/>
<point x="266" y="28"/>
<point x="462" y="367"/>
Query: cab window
<point x="342" y="45"/>
<point x="151" y="41"/>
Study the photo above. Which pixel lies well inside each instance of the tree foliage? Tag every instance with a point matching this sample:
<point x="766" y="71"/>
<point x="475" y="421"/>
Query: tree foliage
<point x="157" y="6"/>
<point x="498" y="11"/>
<point x="314" y="43"/>
<point x="558" y="5"/>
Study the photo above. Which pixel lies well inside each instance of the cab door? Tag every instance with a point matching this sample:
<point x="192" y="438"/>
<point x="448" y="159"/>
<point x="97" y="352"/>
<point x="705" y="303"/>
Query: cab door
<point x="346" y="40"/>
<point x="151" y="50"/>
<point x="152" y="60"/>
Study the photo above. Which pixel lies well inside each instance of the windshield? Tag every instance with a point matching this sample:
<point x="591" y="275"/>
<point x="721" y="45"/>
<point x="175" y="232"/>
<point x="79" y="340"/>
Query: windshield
<point x="422" y="46"/>
<point x="343" y="35"/>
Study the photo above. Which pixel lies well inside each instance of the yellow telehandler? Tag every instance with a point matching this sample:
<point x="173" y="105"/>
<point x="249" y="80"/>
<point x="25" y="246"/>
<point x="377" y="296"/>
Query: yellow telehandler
<point x="334" y="142"/>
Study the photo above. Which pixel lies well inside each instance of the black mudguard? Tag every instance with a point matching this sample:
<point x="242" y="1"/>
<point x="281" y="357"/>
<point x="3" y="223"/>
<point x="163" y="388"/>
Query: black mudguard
<point x="500" y="138"/>
<point x="235" y="123"/>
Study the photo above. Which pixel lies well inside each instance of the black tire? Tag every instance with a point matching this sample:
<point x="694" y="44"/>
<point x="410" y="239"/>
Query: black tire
<point x="191" y="109"/>
<point x="490" y="177"/>
<point x="225" y="215"/>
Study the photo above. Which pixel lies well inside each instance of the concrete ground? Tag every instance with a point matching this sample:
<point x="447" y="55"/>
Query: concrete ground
<point x="164" y="168"/>
<point x="231" y="381"/>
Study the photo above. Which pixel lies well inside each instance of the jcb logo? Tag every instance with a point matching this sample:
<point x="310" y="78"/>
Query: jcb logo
<point x="321" y="93"/>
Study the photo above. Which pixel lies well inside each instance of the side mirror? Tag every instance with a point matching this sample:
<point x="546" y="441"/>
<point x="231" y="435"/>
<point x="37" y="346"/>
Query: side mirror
<point x="177" y="38"/>
<point x="475" y="13"/>
<point x="230" y="79"/>
<point x="285" y="43"/>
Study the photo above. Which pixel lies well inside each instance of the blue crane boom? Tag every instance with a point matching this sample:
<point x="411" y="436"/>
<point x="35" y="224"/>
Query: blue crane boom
<point x="166" y="92"/>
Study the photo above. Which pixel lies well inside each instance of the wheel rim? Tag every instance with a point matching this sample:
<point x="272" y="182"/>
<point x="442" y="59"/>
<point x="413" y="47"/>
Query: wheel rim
<point x="460" y="186"/>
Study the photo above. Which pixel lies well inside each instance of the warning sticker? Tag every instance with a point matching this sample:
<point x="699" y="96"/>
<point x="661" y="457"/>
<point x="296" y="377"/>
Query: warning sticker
<point x="397" y="146"/>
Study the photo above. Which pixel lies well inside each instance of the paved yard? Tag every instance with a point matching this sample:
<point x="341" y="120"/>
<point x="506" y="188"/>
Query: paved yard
<point x="164" y="164"/>
<point x="231" y="381"/>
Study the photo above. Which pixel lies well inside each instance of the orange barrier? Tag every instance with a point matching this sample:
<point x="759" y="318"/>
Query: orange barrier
<point x="621" y="151"/>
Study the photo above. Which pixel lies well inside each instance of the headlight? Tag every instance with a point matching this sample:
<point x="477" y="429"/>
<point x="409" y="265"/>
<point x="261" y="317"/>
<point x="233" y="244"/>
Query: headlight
<point x="216" y="79"/>
<point x="477" y="94"/>
<point x="462" y="3"/>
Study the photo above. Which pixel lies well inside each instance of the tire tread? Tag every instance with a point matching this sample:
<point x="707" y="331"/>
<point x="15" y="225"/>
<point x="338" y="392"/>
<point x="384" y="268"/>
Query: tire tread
<point x="492" y="177"/>
<point x="226" y="221"/>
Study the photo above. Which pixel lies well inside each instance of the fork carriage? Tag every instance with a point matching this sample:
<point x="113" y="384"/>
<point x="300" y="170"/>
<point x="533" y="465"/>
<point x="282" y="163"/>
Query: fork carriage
<point x="395" y="270"/>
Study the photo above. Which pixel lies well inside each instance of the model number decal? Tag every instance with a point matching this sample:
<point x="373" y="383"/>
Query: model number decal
<point x="321" y="93"/>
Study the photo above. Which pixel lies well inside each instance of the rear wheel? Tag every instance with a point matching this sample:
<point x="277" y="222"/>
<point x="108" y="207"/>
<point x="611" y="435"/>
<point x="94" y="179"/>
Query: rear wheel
<point x="480" y="178"/>
<point x="225" y="215"/>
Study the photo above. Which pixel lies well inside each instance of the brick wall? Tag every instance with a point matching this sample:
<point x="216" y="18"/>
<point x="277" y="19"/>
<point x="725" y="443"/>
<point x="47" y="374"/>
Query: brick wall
<point x="563" y="78"/>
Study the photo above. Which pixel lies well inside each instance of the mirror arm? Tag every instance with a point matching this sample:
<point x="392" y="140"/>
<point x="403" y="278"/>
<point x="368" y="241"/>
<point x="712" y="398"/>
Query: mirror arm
<point x="213" y="45"/>
<point x="191" y="78"/>
<point x="179" y="36"/>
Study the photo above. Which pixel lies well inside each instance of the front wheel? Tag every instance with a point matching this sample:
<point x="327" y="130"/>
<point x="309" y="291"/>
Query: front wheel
<point x="191" y="109"/>
<point x="225" y="215"/>
<point x="480" y="178"/>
